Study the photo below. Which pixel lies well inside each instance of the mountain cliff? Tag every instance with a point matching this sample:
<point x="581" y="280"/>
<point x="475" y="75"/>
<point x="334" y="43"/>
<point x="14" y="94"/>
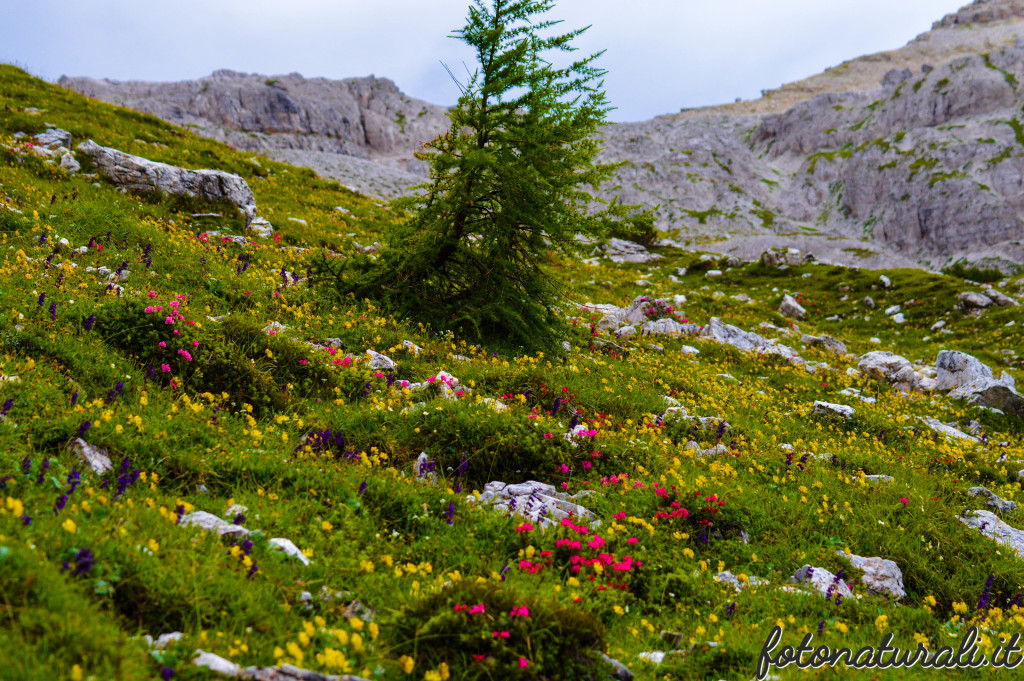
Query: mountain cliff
<point x="911" y="157"/>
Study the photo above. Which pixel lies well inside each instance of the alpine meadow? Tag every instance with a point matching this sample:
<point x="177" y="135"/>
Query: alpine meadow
<point x="557" y="412"/>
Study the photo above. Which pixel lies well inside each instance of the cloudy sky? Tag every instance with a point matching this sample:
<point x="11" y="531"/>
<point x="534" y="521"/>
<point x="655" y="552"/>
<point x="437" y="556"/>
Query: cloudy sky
<point x="662" y="55"/>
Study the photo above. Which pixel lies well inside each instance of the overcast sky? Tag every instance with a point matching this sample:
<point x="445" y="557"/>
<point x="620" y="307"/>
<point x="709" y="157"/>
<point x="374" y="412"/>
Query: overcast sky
<point x="662" y="55"/>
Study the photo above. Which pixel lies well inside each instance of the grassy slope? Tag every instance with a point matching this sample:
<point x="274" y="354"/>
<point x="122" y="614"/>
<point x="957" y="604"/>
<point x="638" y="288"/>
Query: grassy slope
<point x="245" y="399"/>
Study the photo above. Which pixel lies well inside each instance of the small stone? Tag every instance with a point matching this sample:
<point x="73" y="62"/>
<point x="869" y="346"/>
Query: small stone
<point x="791" y="308"/>
<point x="994" y="500"/>
<point x="97" y="459"/>
<point x="289" y="548"/>
<point x="829" y="409"/>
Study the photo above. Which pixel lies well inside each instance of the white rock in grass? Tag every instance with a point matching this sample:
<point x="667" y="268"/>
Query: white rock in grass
<point x="989" y="524"/>
<point x="165" y="640"/>
<point x="262" y="227"/>
<point x="994" y="500"/>
<point x="216" y="663"/>
<point x="411" y="347"/>
<point x="940" y="427"/>
<point x="379" y="361"/>
<point x="821" y="580"/>
<point x="289" y="548"/>
<point x="791" y="308"/>
<point x="212" y="523"/>
<point x="496" y="405"/>
<point x="886" y="282"/>
<point x="96" y="458"/>
<point x="274" y="328"/>
<point x="881" y="576"/>
<point x="830" y="409"/>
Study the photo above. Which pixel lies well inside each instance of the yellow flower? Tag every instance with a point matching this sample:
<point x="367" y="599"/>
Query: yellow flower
<point x="374" y="631"/>
<point x="153" y="545"/>
<point x="76" y="673"/>
<point x="69" y="525"/>
<point x="15" y="506"/>
<point x="618" y="610"/>
<point x="406" y="663"/>
<point x="326" y="526"/>
<point x="356" y="623"/>
<point x="881" y="623"/>
<point x="357" y="643"/>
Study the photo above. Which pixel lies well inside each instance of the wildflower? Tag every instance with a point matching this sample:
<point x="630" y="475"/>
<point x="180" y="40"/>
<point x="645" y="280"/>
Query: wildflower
<point x="89" y="322"/>
<point x="69" y="526"/>
<point x="84" y="426"/>
<point x="520" y="611"/>
<point x="166" y="674"/>
<point x="42" y="297"/>
<point x="406" y="663"/>
<point x="523" y="663"/>
<point x="904" y="501"/>
<point x="161" y="344"/>
<point x="74" y="398"/>
<point x="165" y="368"/>
<point x="53" y="310"/>
<point x="362" y="487"/>
<point x="501" y="634"/>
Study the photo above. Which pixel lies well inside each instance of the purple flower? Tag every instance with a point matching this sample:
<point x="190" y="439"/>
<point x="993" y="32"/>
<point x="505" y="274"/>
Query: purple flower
<point x="166" y="674"/>
<point x="85" y="425"/>
<point x="74" y="398"/>
<point x="89" y="322"/>
<point x="246" y="546"/>
<point x="42" y="297"/>
<point x="239" y="519"/>
<point x="74" y="479"/>
<point x="252" y="570"/>
<point x="450" y="513"/>
<point x="62" y="501"/>
<point x="7" y="406"/>
<point x="362" y="487"/>
<point x="83" y="562"/>
<point x="26" y="520"/>
<point x="53" y="310"/>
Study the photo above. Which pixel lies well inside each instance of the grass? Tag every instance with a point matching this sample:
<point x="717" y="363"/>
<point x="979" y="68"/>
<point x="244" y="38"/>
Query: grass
<point x="227" y="427"/>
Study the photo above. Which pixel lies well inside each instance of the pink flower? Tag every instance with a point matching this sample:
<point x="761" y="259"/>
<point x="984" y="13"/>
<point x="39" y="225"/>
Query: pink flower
<point x="565" y="485"/>
<point x="378" y="374"/>
<point x="186" y="355"/>
<point x="904" y="501"/>
<point x="165" y="367"/>
<point x="161" y="344"/>
<point x="523" y="663"/>
<point x="195" y="344"/>
<point x="521" y="611"/>
<point x="632" y="540"/>
<point x="303" y="361"/>
<point x="621" y="515"/>
<point x="587" y="465"/>
<point x="478" y="609"/>
<point x="564" y="469"/>
<point x="151" y="294"/>
<point x="548" y="436"/>
<point x="501" y="634"/>
<point x="169" y="319"/>
<point x="525" y="527"/>
<point x="149" y="309"/>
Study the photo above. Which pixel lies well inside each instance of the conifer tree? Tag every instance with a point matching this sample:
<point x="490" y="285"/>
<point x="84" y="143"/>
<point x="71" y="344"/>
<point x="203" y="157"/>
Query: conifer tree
<point x="506" y="190"/>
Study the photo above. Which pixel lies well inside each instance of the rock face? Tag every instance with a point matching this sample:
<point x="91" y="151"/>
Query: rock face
<point x="791" y="308"/>
<point x="903" y="158"/>
<point x="721" y="332"/>
<point x="142" y="175"/>
<point x="822" y="581"/>
<point x="333" y="126"/>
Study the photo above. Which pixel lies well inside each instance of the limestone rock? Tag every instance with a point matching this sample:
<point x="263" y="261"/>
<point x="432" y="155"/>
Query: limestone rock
<point x="96" y="458"/>
<point x="216" y="663"/>
<point x="829" y="409"/>
<point x="971" y="300"/>
<point x="262" y="227"/>
<point x="1000" y="298"/>
<point x="379" y="361"/>
<point x="828" y="342"/>
<point x="662" y="327"/>
<point x="967" y="377"/>
<point x="142" y="175"/>
<point x="989" y="524"/>
<point x="54" y="138"/>
<point x="289" y="548"/>
<point x="212" y="523"/>
<point x="881" y="576"/>
<point x="68" y="163"/>
<point x="287" y="672"/>
<point x="821" y="580"/>
<point x="791" y="308"/>
<point x="940" y="427"/>
<point x="620" y="250"/>
<point x="536" y="501"/>
<point x="881" y="365"/>
<point x="994" y="500"/>
<point x="620" y="672"/>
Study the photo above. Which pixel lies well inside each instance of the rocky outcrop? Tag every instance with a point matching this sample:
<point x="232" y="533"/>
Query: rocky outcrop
<point x="967" y="377"/>
<point x="989" y="524"/>
<point x="138" y="174"/>
<point x="982" y="12"/>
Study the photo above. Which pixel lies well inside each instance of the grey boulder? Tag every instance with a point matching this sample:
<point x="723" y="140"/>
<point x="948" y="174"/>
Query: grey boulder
<point x="881" y="576"/>
<point x="142" y="175"/>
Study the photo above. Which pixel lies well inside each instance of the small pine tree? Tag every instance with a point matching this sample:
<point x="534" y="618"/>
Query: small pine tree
<point x="506" y="191"/>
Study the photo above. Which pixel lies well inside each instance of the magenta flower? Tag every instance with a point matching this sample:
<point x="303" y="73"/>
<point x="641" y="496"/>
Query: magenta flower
<point x="165" y="367"/>
<point x="523" y="663"/>
<point x="521" y="611"/>
<point x="162" y="344"/>
<point x="169" y="319"/>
